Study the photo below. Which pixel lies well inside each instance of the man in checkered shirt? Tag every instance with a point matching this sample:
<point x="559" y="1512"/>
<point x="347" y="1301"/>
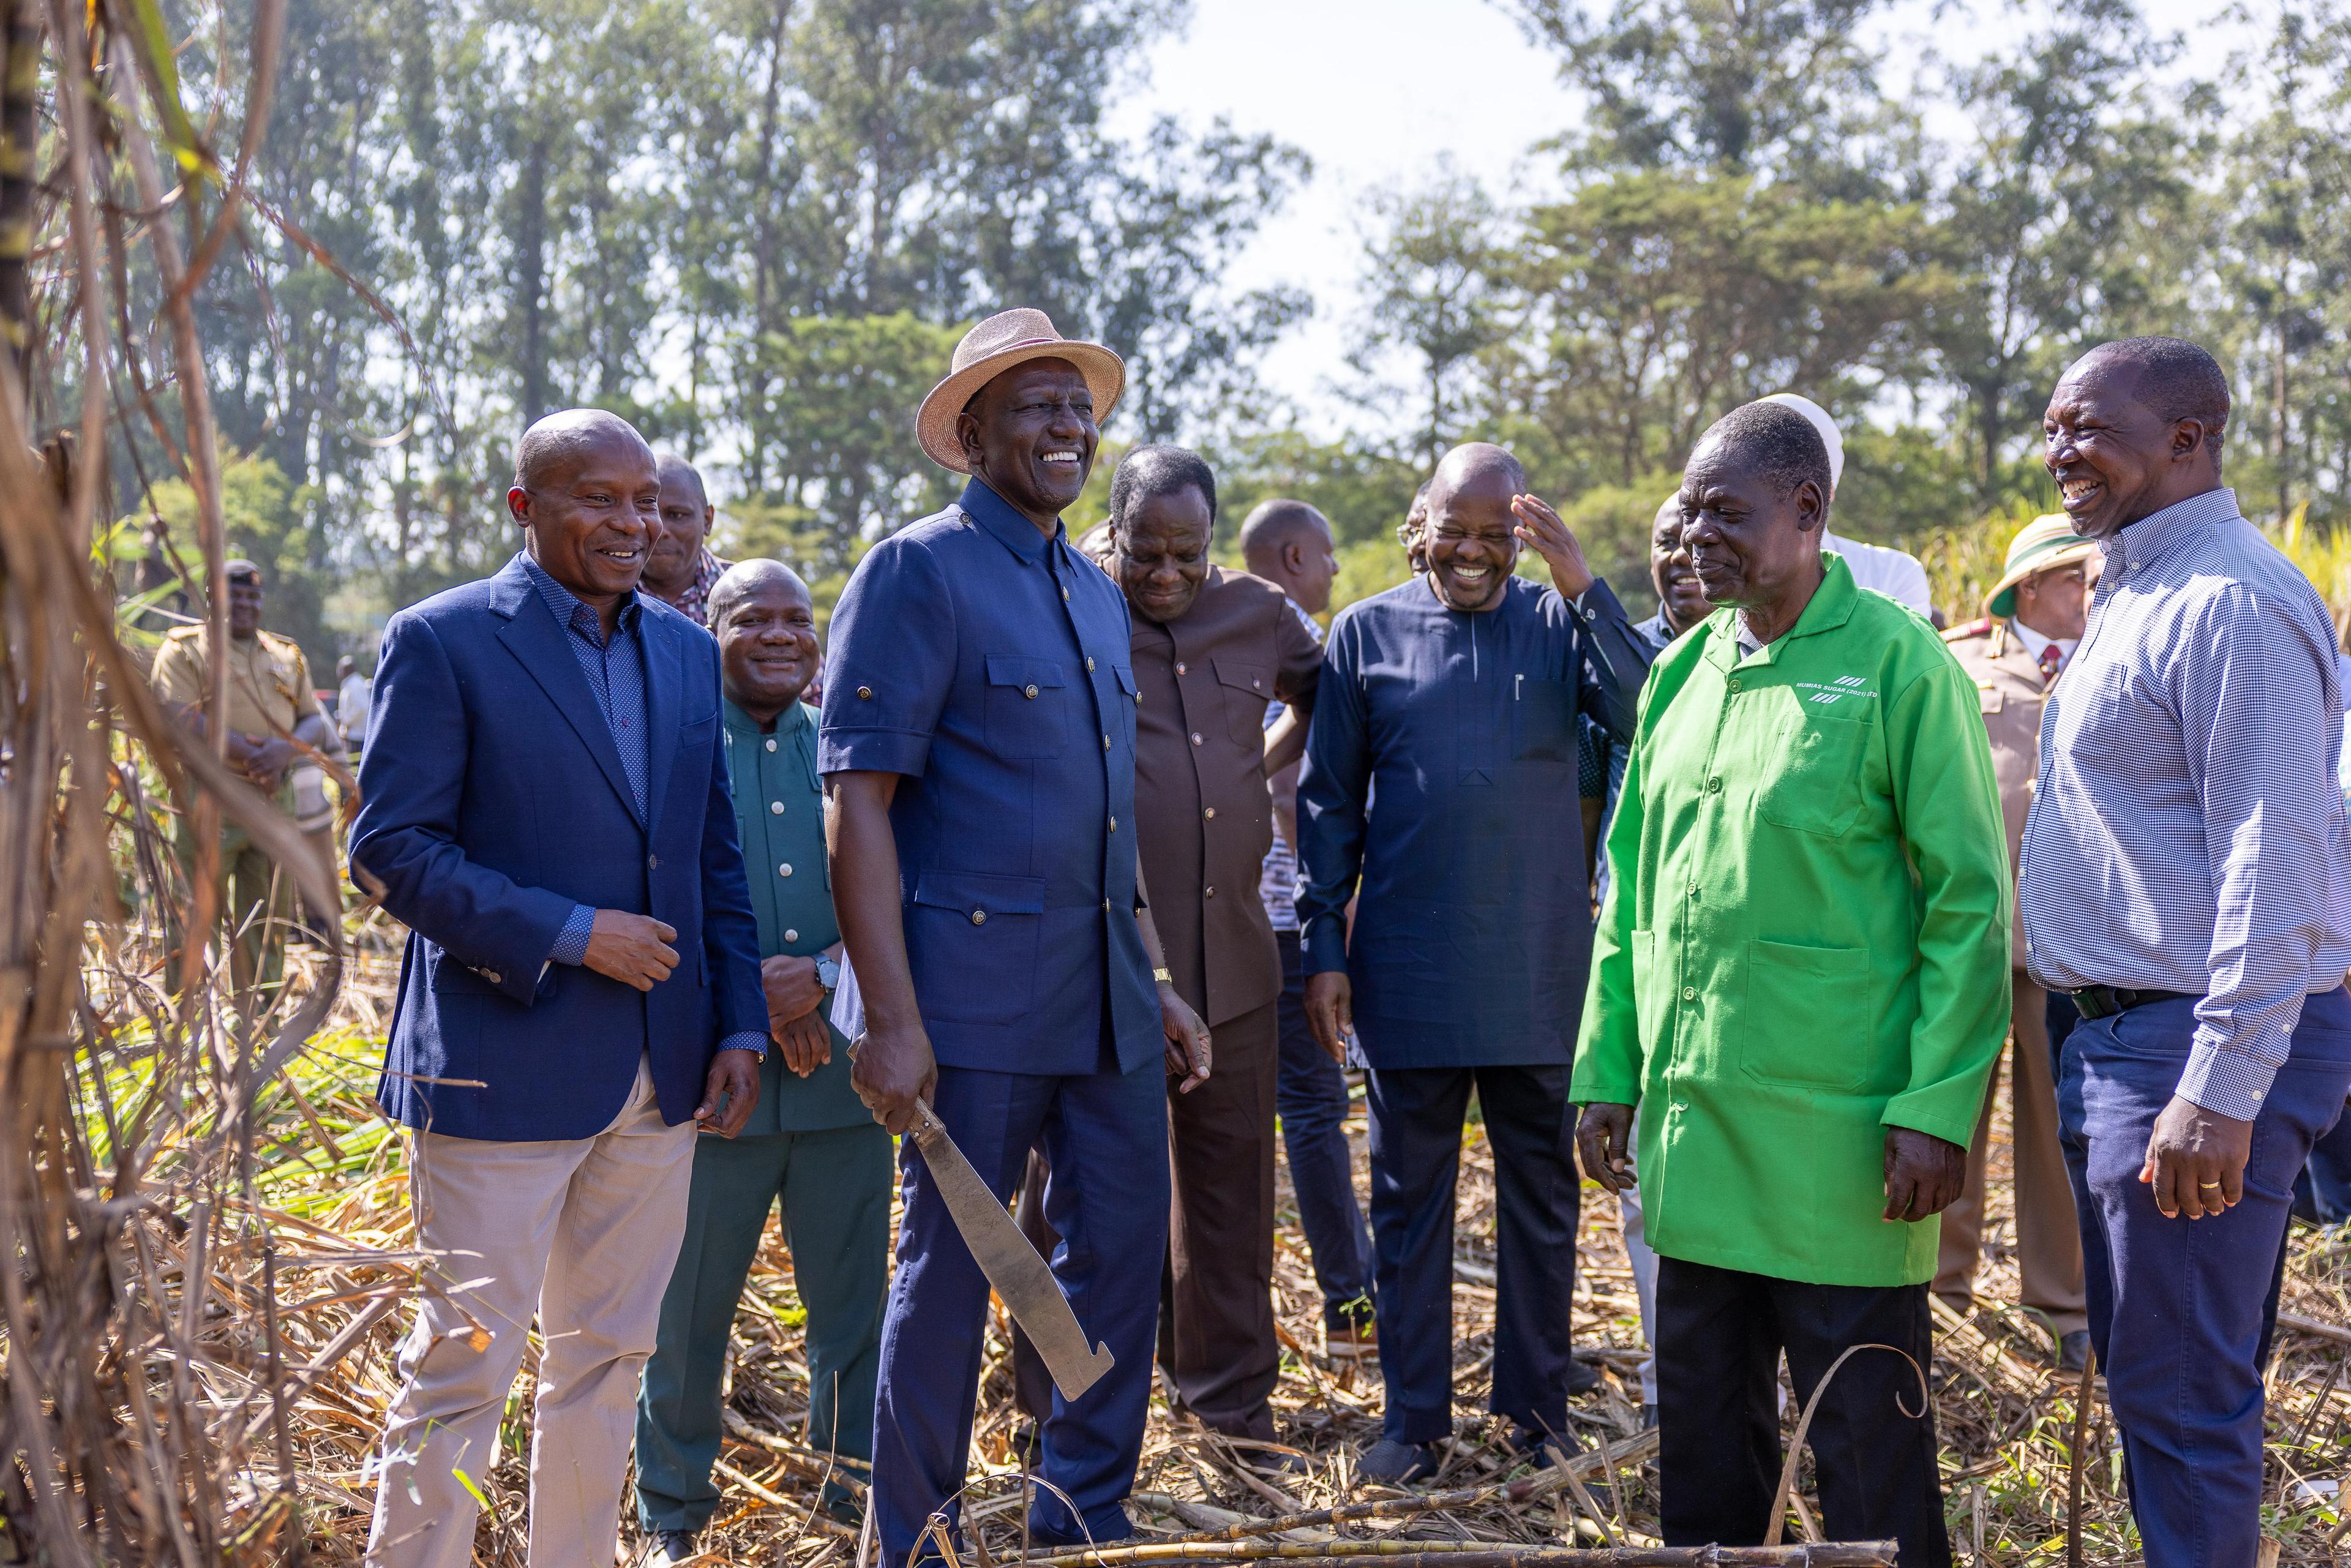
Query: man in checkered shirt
<point x="2186" y="881"/>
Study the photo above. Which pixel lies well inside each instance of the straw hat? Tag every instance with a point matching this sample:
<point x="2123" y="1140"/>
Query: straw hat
<point x="2042" y="545"/>
<point x="994" y="346"/>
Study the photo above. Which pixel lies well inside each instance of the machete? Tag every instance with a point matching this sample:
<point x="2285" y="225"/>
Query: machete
<point x="1021" y="1277"/>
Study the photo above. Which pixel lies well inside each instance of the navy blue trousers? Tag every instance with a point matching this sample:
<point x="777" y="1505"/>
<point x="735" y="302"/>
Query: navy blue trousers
<point x="1310" y="1094"/>
<point x="1417" y="1115"/>
<point x="2175" y="1305"/>
<point x="1105" y="1135"/>
<point x="2323" y="1195"/>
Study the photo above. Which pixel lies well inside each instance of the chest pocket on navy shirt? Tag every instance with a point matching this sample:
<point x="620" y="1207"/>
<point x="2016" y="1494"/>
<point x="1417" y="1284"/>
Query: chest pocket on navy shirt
<point x="1028" y="709"/>
<point x="1542" y="720"/>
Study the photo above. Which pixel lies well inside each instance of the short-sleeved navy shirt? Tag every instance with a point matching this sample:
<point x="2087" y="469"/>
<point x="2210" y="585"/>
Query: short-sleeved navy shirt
<point x="989" y="667"/>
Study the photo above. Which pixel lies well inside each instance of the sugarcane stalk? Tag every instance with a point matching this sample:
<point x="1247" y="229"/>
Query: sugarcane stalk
<point x="1526" y="1489"/>
<point x="1485" y="1554"/>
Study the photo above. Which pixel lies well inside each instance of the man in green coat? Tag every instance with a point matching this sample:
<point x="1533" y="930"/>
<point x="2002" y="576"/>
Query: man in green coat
<point x="810" y="1141"/>
<point x="1801" y="979"/>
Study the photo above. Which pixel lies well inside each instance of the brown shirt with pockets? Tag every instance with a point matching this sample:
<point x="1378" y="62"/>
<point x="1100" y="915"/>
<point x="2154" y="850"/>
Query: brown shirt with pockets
<point x="1199" y="787"/>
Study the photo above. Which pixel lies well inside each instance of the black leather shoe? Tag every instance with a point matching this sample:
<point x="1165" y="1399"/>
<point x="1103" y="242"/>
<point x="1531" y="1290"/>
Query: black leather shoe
<point x="1395" y="1464"/>
<point x="674" y="1546"/>
<point x="1581" y="1376"/>
<point x="2074" y="1351"/>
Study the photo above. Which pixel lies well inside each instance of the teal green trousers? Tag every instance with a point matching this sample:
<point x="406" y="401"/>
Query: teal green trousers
<point x="835" y="1187"/>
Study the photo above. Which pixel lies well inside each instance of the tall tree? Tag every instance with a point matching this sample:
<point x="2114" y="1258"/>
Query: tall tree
<point x="2283" y="212"/>
<point x="2062" y="215"/>
<point x="1431" y="295"/>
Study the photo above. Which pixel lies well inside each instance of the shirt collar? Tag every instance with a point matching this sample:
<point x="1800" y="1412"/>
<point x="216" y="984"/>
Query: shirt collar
<point x="1831" y="607"/>
<point x="789" y="721"/>
<point x="567" y="605"/>
<point x="1013" y="532"/>
<point x="1657" y="630"/>
<point x="2141" y="544"/>
<point x="2033" y="642"/>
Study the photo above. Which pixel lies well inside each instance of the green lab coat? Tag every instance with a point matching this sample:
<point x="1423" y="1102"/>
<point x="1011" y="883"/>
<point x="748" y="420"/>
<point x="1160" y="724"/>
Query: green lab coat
<point x="1805" y="940"/>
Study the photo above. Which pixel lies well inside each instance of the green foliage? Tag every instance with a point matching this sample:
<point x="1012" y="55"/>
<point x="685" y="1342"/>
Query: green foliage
<point x="269" y="522"/>
<point x="1360" y="487"/>
<point x="840" y="394"/>
<point x="1783" y="85"/>
<point x="754" y="227"/>
<point x="1655" y="301"/>
<point x="757" y="226"/>
<point x="2064" y="218"/>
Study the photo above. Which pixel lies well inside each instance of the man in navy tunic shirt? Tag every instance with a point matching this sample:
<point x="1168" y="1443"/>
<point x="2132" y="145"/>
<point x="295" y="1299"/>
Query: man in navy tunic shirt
<point x="1441" y="774"/>
<point x="978" y="745"/>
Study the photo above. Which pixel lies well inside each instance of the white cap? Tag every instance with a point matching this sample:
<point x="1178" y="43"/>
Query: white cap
<point x="1825" y="425"/>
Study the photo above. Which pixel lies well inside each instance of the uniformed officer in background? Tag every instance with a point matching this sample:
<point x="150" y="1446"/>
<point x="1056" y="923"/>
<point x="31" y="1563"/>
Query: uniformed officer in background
<point x="2033" y="618"/>
<point x="278" y="734"/>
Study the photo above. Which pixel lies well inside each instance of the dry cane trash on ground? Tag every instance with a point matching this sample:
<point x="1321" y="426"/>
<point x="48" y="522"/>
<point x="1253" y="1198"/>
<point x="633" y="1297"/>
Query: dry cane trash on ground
<point x="334" y="1227"/>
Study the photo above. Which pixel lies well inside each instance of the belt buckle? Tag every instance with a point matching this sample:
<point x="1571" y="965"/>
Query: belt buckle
<point x="2096" y="1002"/>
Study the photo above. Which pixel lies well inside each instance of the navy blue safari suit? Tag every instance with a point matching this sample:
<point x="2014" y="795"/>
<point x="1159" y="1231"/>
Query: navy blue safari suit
<point x="1441" y="790"/>
<point x="988" y="667"/>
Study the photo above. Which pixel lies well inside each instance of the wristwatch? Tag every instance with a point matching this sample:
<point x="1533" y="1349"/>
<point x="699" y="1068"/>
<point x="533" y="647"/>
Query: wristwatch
<point x="828" y="972"/>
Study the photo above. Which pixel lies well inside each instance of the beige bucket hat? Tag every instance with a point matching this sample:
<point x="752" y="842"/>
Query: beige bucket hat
<point x="994" y="346"/>
<point x="2042" y="545"/>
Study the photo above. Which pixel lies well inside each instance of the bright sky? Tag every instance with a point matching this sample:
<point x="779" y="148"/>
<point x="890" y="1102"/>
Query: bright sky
<point x="1377" y="91"/>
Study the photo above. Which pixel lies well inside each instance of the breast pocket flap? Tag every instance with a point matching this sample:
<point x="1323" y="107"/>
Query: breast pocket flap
<point x="1254" y="679"/>
<point x="1015" y="670"/>
<point x="974" y="893"/>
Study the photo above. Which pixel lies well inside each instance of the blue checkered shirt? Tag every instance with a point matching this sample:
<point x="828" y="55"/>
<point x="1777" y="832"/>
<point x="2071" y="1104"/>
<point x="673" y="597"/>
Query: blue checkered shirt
<point x="1277" y="883"/>
<point x="616" y="668"/>
<point x="2187" y="833"/>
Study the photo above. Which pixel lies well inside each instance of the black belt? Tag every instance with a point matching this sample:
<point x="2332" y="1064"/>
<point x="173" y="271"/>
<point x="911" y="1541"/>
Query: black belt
<point x="2105" y="1001"/>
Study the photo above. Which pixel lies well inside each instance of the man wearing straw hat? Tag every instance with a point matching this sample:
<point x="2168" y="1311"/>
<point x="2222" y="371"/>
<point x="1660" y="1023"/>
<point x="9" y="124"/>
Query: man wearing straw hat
<point x="2033" y="619"/>
<point x="977" y="746"/>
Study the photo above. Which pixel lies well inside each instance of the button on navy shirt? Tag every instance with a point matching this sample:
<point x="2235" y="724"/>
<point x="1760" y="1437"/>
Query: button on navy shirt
<point x="988" y="666"/>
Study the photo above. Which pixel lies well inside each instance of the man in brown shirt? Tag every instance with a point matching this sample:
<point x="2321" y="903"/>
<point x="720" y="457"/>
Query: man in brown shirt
<point x="1211" y="649"/>
<point x="2033" y="617"/>
<point x="680" y="570"/>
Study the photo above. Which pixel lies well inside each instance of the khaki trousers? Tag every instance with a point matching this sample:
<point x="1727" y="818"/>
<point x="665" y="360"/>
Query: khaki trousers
<point x="583" y="1232"/>
<point x="2048" y="1231"/>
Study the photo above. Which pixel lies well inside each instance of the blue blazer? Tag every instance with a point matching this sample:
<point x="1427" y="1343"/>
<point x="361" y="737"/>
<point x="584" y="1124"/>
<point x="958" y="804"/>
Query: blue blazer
<point x="493" y="800"/>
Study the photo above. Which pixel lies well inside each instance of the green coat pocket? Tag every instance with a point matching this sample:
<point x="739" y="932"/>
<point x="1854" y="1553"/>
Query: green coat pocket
<point x="1805" y="1021"/>
<point x="1813" y="782"/>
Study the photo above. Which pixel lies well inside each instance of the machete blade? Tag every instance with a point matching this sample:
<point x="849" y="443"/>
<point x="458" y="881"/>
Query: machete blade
<point x="1022" y="1277"/>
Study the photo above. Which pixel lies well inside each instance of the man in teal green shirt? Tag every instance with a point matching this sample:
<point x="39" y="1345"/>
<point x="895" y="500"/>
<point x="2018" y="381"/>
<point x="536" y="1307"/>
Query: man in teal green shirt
<point x="810" y="1141"/>
<point x="1800" y="978"/>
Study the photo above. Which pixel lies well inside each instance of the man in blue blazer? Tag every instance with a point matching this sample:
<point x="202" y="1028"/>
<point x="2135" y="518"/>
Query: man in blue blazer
<point x="548" y="809"/>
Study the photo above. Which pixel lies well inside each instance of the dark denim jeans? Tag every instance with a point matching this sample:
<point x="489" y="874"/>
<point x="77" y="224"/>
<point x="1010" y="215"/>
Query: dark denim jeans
<point x="1311" y="1097"/>
<point x="2175" y="1305"/>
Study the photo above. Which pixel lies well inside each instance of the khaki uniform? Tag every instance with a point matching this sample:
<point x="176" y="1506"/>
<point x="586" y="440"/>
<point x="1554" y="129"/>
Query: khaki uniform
<point x="2048" y="1236"/>
<point x="269" y="691"/>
